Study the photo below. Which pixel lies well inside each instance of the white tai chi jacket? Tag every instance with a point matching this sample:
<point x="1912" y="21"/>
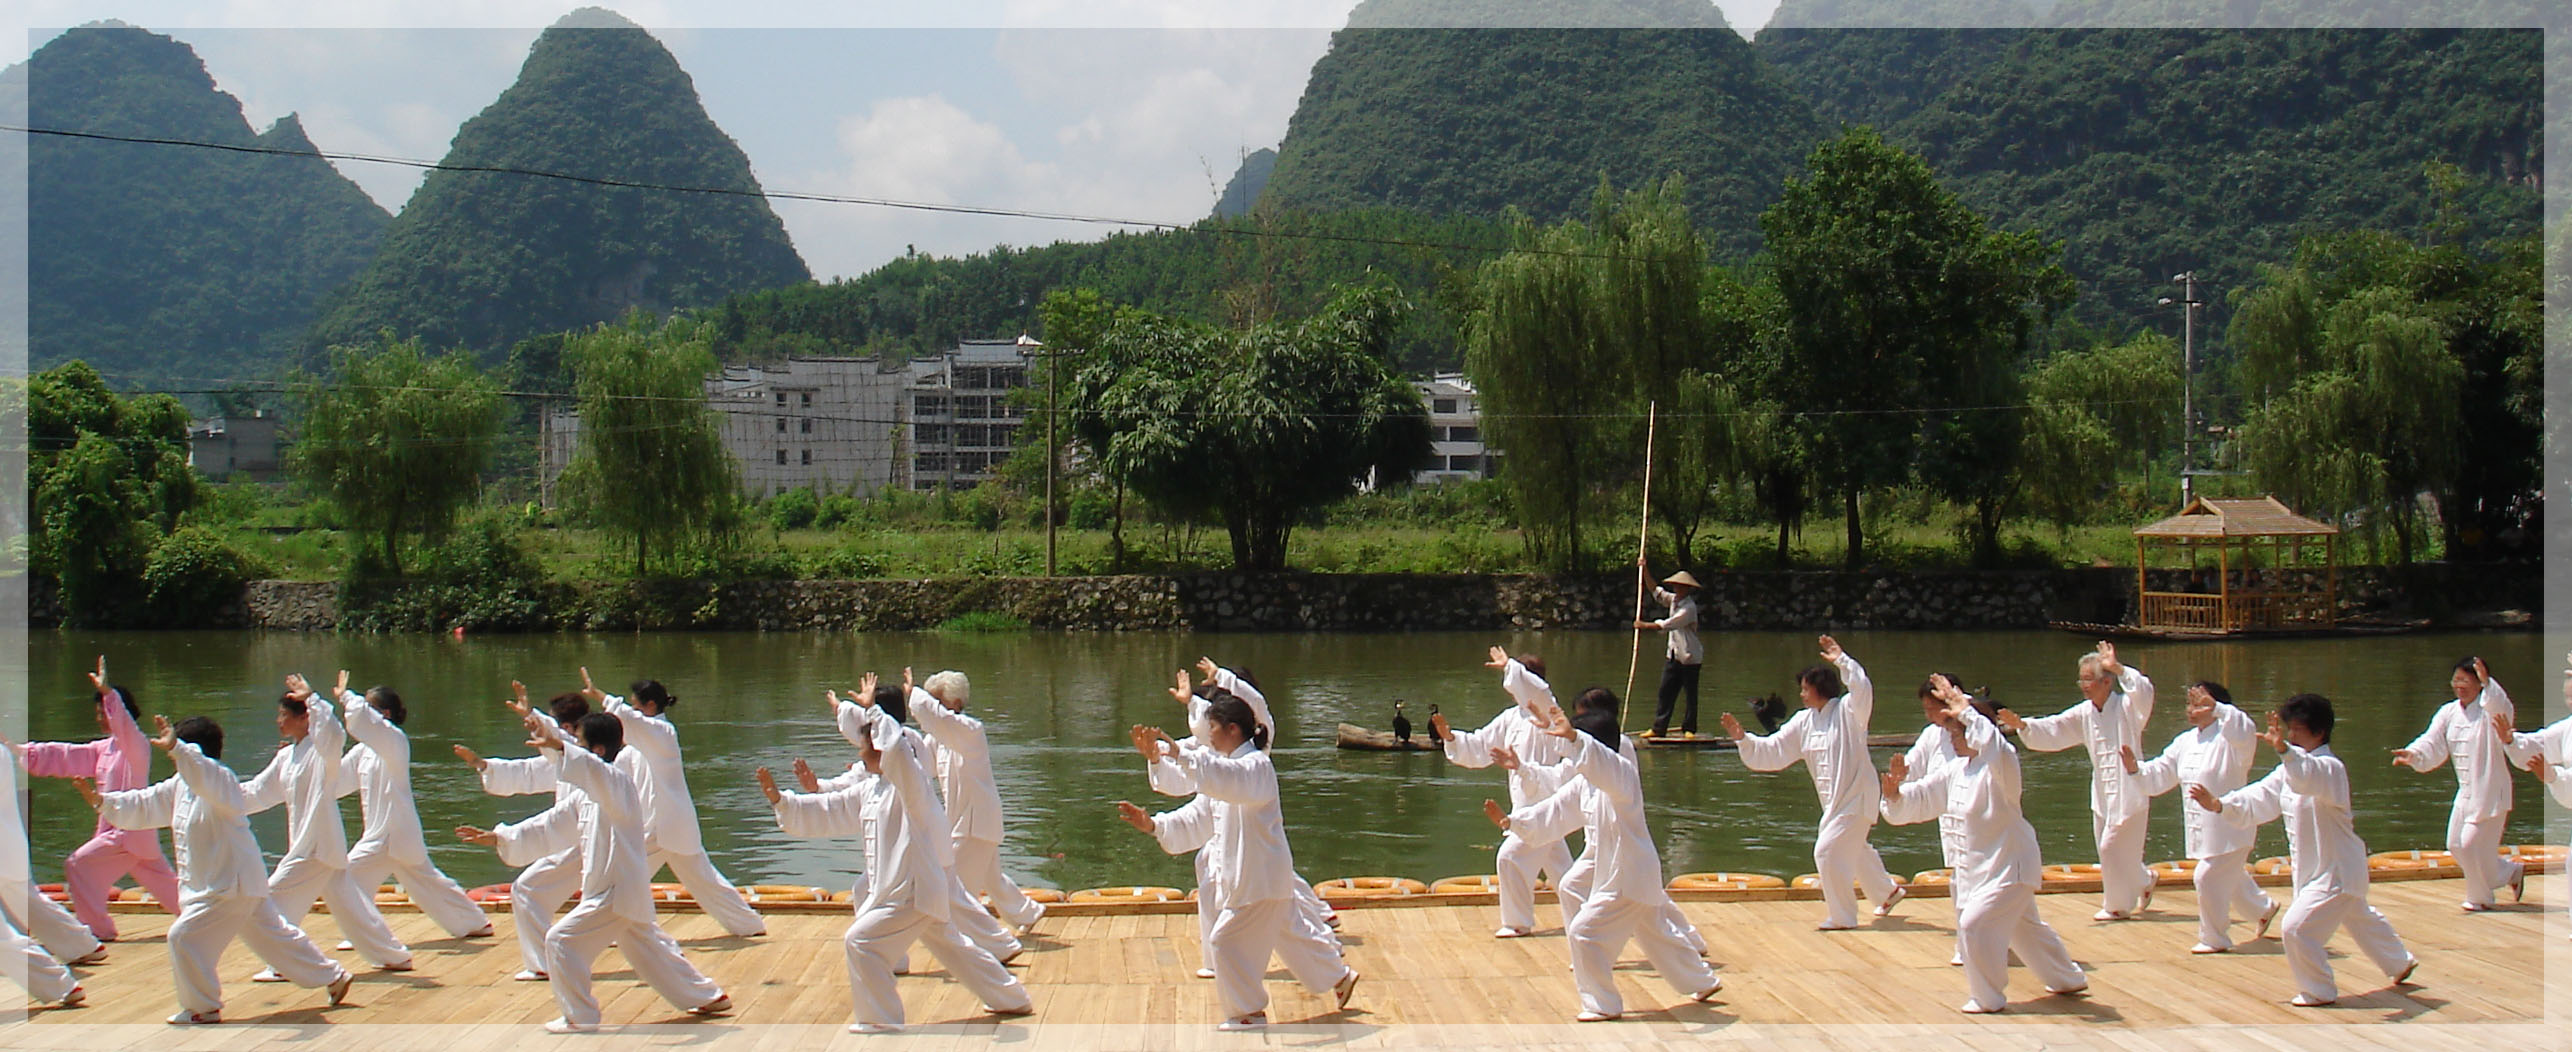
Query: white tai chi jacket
<point x="378" y="769"/>
<point x="304" y="776"/>
<point x="2217" y="756"/>
<point x="1251" y="861"/>
<point x="670" y="814"/>
<point x="1831" y="741"/>
<point x="1606" y="790"/>
<point x="1975" y="799"/>
<point x="2463" y="731"/>
<point x="604" y="820"/>
<point x="2114" y="796"/>
<point x="2310" y="790"/>
<point x="961" y="754"/>
<point x="209" y="818"/>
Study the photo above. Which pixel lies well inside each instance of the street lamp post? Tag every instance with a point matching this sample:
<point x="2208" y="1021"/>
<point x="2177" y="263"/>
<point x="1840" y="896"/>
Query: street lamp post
<point x="1029" y="347"/>
<point x="2189" y="303"/>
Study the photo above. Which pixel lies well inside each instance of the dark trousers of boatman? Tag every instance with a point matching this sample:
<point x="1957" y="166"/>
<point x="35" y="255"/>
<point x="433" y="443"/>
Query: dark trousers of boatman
<point x="1676" y="677"/>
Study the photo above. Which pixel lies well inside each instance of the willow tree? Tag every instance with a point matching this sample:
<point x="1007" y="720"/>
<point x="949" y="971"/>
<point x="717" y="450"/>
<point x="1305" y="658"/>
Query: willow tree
<point x="650" y="467"/>
<point x="1569" y="335"/>
<point x="1263" y="424"/>
<point x="395" y="438"/>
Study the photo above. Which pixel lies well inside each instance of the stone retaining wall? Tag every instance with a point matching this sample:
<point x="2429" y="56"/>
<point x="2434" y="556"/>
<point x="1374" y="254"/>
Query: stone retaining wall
<point x="1821" y="600"/>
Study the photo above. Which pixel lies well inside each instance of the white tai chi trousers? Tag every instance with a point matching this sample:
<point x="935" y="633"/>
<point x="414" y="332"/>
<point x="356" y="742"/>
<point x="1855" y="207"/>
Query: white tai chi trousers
<point x="1843" y="859"/>
<point x="33" y="969"/>
<point x="540" y="889"/>
<point x="2476" y="843"/>
<point x="2225" y="890"/>
<point x="1243" y="938"/>
<point x="46" y="921"/>
<point x="713" y="893"/>
<point x="881" y="938"/>
<point x="978" y="865"/>
<point x="1599" y="930"/>
<point x="1520" y="865"/>
<point x="573" y="944"/>
<point x="2122" y="874"/>
<point x="298" y="881"/>
<point x="207" y="924"/>
<point x="1993" y="922"/>
<point x="436" y="894"/>
<point x="2311" y="919"/>
<point x="1574" y="889"/>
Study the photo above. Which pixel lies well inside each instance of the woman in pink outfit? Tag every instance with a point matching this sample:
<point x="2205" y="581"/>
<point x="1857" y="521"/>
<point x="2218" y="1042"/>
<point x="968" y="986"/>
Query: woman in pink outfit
<point x="122" y="760"/>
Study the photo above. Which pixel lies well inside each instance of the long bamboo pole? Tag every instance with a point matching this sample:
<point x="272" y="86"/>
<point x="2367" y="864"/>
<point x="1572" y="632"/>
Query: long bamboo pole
<point x="1642" y="538"/>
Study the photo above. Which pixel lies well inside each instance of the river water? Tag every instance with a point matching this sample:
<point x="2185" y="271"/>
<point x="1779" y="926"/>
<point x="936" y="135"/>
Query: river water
<point x="1057" y="706"/>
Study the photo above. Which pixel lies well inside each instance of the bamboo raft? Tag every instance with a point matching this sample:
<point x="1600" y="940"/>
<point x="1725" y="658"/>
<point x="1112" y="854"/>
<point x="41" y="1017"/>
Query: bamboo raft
<point x="1117" y="976"/>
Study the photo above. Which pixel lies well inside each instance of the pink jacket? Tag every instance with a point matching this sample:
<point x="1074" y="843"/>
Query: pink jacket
<point x="120" y="761"/>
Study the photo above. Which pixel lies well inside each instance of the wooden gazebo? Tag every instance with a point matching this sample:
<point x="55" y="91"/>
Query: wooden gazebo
<point x="2264" y="577"/>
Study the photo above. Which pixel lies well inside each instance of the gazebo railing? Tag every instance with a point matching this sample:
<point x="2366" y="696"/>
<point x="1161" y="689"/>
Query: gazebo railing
<point x="2207" y="612"/>
<point x="2183" y="610"/>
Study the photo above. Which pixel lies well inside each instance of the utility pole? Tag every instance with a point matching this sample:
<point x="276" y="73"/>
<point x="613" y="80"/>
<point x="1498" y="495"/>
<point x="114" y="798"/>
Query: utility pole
<point x="1033" y="350"/>
<point x="2189" y="303"/>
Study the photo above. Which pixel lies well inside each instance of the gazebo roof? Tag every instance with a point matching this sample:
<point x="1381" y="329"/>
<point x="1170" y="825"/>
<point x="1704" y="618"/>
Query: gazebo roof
<point x="2206" y="519"/>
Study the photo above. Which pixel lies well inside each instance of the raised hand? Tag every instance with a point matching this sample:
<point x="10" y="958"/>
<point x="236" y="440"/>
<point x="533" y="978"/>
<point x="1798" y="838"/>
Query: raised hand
<point x="88" y="792"/>
<point x="2405" y="758"/>
<point x="2108" y="659"/>
<point x="540" y="735"/>
<point x="590" y="690"/>
<point x="1147" y="741"/>
<point x="1499" y="658"/>
<point x="1732" y="727"/>
<point x="1491" y="810"/>
<point x="477" y="835"/>
<point x="168" y="738"/>
<point x="2205" y="797"/>
<point x="342" y="686"/>
<point x="805" y="778"/>
<point x="467" y="755"/>
<point x="768" y="786"/>
<point x="866" y="685"/>
<point x="2481" y="671"/>
<point x="2506" y="727"/>
<point x="2543" y="771"/>
<point x="2275" y="735"/>
<point x="98" y="678"/>
<point x="906" y="681"/>
<point x="1134" y="816"/>
<point x="1505" y="756"/>
<point x="1890" y="783"/>
<point x="2125" y="755"/>
<point x="2010" y="720"/>
<point x="1181" y="690"/>
<point x="517" y="701"/>
<point x="1560" y="726"/>
<point x="296" y="685"/>
<point x="1830" y="649"/>
<point x="1206" y="667"/>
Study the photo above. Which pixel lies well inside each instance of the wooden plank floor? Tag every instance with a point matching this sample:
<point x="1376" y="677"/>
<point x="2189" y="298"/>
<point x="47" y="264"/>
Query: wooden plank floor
<point x="1434" y="977"/>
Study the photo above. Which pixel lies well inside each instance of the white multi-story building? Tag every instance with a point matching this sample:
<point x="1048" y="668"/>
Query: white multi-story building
<point x="852" y="425"/>
<point x="1455" y="430"/>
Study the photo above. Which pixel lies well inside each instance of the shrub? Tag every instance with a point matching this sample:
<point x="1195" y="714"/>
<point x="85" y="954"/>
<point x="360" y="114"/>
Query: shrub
<point x="794" y="509"/>
<point x="194" y="573"/>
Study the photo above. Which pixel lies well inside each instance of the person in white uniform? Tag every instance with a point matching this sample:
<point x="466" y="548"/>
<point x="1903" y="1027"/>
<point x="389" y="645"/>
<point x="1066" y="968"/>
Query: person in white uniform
<point x="1974" y="795"/>
<point x="1934" y="746"/>
<point x="35" y="970"/>
<point x="544" y="885"/>
<point x="606" y="821"/>
<point x="2309" y="789"/>
<point x="670" y="813"/>
<point x="2116" y="701"/>
<point x="2541" y="751"/>
<point x="1251" y="876"/>
<point x="2215" y="752"/>
<point x="1625" y="899"/>
<point x="905" y="895"/>
<point x="1830" y="737"/>
<point x="304" y="776"/>
<point x="2465" y="733"/>
<point x="223" y="886"/>
<point x="391" y="844"/>
<point x="1170" y="779"/>
<point x="1519" y="731"/>
<point x="29" y="912"/>
<point x="962" y="756"/>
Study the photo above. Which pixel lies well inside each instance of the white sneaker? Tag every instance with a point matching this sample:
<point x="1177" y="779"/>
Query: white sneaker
<point x="566" y="1026"/>
<point x="529" y="976"/>
<point x="196" y="1018"/>
<point x="1205" y="973"/>
<point x="2265" y="916"/>
<point x="2405" y="977"/>
<point x="267" y="975"/>
<point x="1253" y="1021"/>
<point x="875" y="1028"/>
<point x="2301" y="1001"/>
<point x="345" y="946"/>
<point x="1976" y="1008"/>
<point x="2209" y="948"/>
<point x="1957" y="960"/>
<point x="2107" y="915"/>
<point x="1595" y="1017"/>
<point x="1509" y="933"/>
<point x="1885" y="908"/>
<point x="1708" y="994"/>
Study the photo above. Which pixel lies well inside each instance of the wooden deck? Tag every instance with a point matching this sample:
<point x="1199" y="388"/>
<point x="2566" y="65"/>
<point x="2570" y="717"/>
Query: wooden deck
<point x="1434" y="977"/>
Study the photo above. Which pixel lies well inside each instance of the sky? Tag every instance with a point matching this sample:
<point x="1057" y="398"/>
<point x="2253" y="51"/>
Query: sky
<point x="1116" y="109"/>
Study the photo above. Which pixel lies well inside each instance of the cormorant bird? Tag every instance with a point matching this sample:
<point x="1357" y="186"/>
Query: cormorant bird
<point x="1434" y="737"/>
<point x="1401" y="724"/>
<point x="1771" y="711"/>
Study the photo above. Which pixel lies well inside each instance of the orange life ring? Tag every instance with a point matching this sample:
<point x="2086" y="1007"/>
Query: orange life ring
<point x="1724" y="881"/>
<point x="133" y="895"/>
<point x="1934" y="876"/>
<point x="785" y="893"/>
<point x="2175" y="868"/>
<point x="1479" y="884"/>
<point x="54" y="892"/>
<point x="2273" y="866"/>
<point x="843" y="896"/>
<point x="672" y="893"/>
<point x="1369" y="887"/>
<point x="2543" y="858"/>
<point x="489" y="893"/>
<point x="2409" y="860"/>
<point x="1042" y="895"/>
<point x="1130" y="893"/>
<point x="2070" y="872"/>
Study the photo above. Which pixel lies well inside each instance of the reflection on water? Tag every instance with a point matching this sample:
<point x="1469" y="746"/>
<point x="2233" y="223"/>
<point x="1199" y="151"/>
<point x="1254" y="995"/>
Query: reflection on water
<point x="1057" y="706"/>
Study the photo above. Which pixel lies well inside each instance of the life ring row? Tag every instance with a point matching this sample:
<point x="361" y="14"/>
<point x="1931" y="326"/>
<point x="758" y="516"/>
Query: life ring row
<point x="2543" y="858"/>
